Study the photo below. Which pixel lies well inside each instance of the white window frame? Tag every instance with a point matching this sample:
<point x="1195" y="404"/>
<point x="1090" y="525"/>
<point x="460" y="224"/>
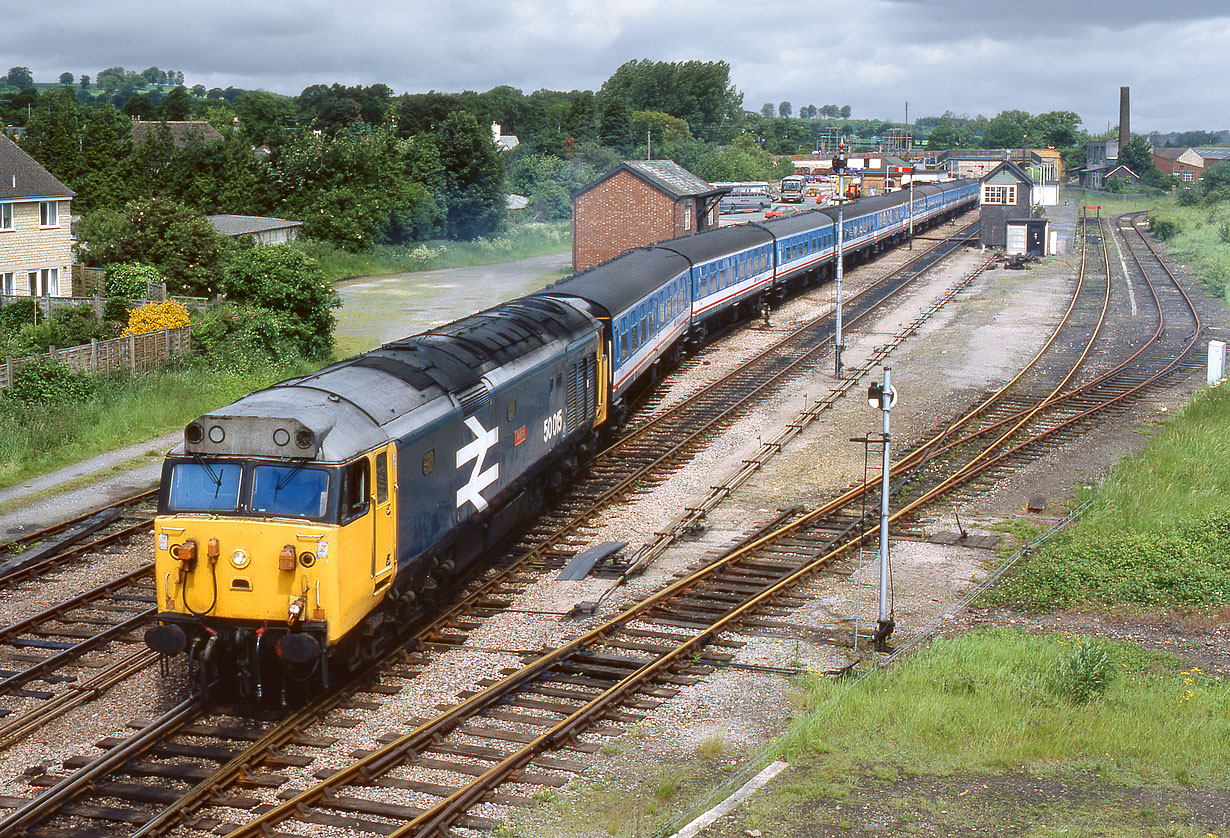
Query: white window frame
<point x="6" y="216"/>
<point x="687" y="216"/>
<point x="993" y="194"/>
<point x="6" y="283"/>
<point x="48" y="214"/>
<point x="50" y="282"/>
<point x="32" y="283"/>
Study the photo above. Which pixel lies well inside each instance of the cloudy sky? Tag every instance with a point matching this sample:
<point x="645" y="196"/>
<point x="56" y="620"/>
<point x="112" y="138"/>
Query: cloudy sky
<point x="968" y="56"/>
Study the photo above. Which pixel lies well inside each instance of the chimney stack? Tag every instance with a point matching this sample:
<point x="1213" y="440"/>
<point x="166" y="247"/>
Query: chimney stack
<point x="1125" y="110"/>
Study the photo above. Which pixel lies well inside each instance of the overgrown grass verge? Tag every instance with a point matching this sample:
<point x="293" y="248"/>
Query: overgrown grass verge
<point x="1199" y="237"/>
<point x="1157" y="533"/>
<point x="1001" y="700"/>
<point x="38" y="438"/>
<point x="519" y="242"/>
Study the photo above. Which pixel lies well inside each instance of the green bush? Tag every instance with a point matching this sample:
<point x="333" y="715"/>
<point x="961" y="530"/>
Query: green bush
<point x="1187" y="198"/>
<point x="1164" y="228"/>
<point x="18" y="313"/>
<point x="283" y="279"/>
<point x="128" y="279"/>
<point x="246" y="338"/>
<point x="48" y="381"/>
<point x="115" y="309"/>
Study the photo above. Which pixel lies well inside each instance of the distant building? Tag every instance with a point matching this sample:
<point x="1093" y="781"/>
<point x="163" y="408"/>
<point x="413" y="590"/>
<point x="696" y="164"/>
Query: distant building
<point x="504" y="142"/>
<point x="1183" y="163"/>
<point x="183" y="133"/>
<point x="36" y="252"/>
<point x="639" y="202"/>
<point x="262" y="230"/>
<point x="1101" y="158"/>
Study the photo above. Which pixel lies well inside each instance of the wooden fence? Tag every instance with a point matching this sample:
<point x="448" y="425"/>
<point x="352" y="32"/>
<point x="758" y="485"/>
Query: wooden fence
<point x="133" y="352"/>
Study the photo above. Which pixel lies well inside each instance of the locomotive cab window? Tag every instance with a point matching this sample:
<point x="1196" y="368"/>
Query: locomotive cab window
<point x="289" y="491"/>
<point x="382" y="477"/>
<point x="356" y="490"/>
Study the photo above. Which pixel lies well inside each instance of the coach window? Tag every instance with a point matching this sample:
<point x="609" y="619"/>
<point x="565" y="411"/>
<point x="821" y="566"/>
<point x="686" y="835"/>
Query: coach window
<point x="429" y="461"/>
<point x="356" y="483"/>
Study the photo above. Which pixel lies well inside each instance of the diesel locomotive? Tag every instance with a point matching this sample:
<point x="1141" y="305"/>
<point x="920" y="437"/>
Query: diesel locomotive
<point x="298" y="527"/>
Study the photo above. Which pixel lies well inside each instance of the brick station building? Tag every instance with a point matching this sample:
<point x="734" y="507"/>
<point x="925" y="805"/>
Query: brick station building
<point x="638" y="203"/>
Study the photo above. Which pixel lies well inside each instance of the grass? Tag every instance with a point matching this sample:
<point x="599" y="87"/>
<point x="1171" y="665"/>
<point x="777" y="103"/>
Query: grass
<point x="1156" y="534"/>
<point x="37" y="439"/>
<point x="995" y="700"/>
<point x="519" y="242"/>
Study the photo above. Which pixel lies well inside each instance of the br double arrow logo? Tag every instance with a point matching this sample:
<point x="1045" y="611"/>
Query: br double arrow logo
<point x="476" y="450"/>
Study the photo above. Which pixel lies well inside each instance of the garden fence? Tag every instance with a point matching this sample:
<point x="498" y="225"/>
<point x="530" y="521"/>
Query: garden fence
<point x="130" y="352"/>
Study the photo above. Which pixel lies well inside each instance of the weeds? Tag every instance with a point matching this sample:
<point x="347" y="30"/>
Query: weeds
<point x="1084" y="673"/>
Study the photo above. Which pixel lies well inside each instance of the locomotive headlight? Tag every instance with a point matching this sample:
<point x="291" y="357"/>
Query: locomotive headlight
<point x="240" y="558"/>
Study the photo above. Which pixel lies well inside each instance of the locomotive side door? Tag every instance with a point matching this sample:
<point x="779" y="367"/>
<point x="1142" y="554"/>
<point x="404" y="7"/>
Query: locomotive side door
<point x="384" y="523"/>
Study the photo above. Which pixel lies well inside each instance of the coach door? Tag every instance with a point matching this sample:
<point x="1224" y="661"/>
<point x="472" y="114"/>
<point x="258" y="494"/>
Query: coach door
<point x="384" y="523"/>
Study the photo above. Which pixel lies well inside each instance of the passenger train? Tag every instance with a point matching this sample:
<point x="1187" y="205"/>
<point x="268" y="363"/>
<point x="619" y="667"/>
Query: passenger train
<point x="298" y="527"/>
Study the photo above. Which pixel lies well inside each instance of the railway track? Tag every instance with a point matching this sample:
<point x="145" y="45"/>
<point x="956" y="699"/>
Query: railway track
<point x="447" y="630"/>
<point x="645" y="455"/>
<point x="504" y="738"/>
<point x="631" y="661"/>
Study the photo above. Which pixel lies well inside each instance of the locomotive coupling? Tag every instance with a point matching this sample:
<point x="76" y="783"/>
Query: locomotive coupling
<point x="186" y="553"/>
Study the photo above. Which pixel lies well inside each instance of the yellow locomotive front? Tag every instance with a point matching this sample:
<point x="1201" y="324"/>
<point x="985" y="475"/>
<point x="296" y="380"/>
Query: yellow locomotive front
<point x="269" y="555"/>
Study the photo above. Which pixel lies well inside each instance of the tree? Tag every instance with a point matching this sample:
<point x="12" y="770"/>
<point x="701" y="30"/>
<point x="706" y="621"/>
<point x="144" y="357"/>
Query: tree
<point x="85" y="82"/>
<point x="1007" y="130"/>
<point x="1138" y="157"/>
<point x="20" y="77"/>
<point x="615" y="125"/>
<point x="784" y="110"/>
<point x="279" y="278"/>
<point x="177" y="106"/>
<point x="830" y="111"/>
<point x="154" y="76"/>
<point x="264" y="117"/>
<point x="845" y="111"/>
<point x="766" y="110"/>
<point x="473" y="190"/>
<point x="1055" y="129"/>
<point x="66" y="79"/>
<point x="140" y="106"/>
<point x="178" y="241"/>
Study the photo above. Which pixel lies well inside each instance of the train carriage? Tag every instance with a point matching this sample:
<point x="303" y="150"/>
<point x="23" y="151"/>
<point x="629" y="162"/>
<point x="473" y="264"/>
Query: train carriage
<point x="729" y="266"/>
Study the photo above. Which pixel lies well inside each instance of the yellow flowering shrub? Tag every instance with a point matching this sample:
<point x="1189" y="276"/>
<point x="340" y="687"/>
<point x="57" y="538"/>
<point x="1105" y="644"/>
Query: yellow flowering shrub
<point x="153" y="317"/>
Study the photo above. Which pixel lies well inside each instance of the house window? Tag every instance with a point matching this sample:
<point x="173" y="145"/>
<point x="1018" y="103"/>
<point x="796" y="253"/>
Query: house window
<point x="687" y="217"/>
<point x="1186" y="176"/>
<point x="51" y="281"/>
<point x="6" y="216"/>
<point x="998" y="194"/>
<point x="6" y="284"/>
<point x="48" y="213"/>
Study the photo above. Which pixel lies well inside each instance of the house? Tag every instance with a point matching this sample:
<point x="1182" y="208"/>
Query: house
<point x="36" y="252"/>
<point x="1212" y="155"/>
<point x="504" y="142"/>
<point x="1184" y="163"/>
<point x="262" y="230"/>
<point x="1006" y="196"/>
<point x="183" y="133"/>
<point x="638" y="203"/>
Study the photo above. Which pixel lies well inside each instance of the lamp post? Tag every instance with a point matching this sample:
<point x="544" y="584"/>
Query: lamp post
<point x="839" y="165"/>
<point x="883" y="396"/>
